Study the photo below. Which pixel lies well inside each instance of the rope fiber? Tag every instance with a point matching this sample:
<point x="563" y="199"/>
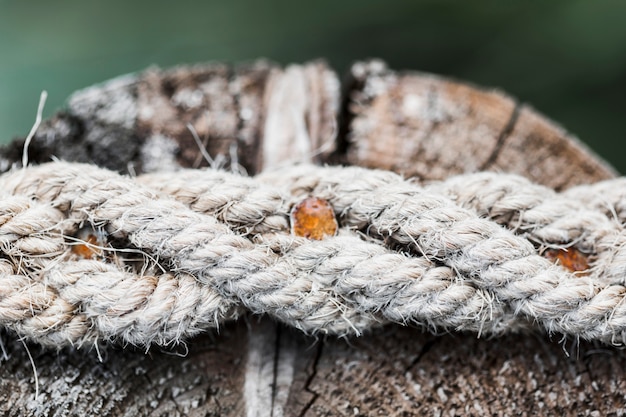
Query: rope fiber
<point x="182" y="252"/>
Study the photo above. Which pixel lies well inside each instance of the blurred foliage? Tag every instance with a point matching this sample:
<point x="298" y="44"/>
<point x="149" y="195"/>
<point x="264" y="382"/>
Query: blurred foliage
<point x="566" y="58"/>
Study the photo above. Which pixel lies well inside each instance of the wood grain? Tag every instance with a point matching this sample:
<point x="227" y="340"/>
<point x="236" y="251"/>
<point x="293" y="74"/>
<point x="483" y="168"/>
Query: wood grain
<point x="431" y="127"/>
<point x="259" y="115"/>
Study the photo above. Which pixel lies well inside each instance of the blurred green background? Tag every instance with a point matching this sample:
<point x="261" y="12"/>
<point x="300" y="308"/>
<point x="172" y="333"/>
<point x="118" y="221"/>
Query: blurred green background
<point x="566" y="58"/>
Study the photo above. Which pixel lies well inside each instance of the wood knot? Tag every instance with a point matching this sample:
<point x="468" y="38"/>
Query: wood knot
<point x="313" y="218"/>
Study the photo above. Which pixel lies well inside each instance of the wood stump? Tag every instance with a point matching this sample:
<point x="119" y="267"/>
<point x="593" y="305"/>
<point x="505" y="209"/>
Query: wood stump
<point x="259" y="116"/>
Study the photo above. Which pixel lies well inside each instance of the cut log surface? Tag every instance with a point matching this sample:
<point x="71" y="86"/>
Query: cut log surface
<point x="260" y="116"/>
<point x="430" y="127"/>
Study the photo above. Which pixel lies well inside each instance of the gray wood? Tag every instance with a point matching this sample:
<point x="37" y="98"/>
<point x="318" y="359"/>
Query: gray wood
<point x="260" y="115"/>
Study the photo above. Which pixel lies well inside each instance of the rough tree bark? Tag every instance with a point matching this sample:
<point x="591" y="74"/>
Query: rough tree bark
<point x="259" y="116"/>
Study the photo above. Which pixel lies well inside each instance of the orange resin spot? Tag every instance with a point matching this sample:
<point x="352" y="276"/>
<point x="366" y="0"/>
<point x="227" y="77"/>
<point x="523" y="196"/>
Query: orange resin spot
<point x="313" y="218"/>
<point x="570" y="258"/>
<point x="89" y="245"/>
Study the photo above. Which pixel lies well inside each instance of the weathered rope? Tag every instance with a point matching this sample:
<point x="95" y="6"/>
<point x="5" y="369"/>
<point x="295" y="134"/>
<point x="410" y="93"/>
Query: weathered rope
<point x="186" y="251"/>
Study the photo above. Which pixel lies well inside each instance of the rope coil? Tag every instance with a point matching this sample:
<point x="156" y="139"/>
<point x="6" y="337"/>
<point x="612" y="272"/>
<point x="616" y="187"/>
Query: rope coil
<point x="188" y="250"/>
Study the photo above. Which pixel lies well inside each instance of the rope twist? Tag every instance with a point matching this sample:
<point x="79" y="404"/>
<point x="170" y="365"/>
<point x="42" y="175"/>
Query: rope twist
<point x="188" y="250"/>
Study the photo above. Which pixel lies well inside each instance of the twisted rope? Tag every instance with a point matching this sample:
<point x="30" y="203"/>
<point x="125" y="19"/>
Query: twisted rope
<point x="189" y="250"/>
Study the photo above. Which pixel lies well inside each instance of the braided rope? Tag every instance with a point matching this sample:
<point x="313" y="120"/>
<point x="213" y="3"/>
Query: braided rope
<point x="189" y="250"/>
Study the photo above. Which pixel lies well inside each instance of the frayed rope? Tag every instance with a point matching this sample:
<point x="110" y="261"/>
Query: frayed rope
<point x="182" y="252"/>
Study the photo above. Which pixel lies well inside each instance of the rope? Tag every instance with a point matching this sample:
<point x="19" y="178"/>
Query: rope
<point x="185" y="251"/>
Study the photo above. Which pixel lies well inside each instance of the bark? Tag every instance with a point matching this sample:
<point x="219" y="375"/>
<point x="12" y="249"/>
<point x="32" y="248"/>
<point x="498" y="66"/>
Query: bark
<point x="259" y="116"/>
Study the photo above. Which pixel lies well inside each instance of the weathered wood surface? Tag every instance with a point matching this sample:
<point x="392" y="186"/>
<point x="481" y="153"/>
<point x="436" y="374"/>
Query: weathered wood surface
<point x="258" y="116"/>
<point x="426" y="126"/>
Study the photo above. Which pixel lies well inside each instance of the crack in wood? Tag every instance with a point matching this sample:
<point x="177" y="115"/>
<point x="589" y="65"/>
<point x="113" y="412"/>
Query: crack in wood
<point x="425" y="349"/>
<point x="275" y="375"/>
<point x="309" y="380"/>
<point x="344" y="119"/>
<point x="217" y="404"/>
<point x="232" y="75"/>
<point x="502" y="137"/>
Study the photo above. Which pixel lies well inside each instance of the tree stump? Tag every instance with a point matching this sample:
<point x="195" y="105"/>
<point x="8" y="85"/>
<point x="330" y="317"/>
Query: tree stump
<point x="260" y="116"/>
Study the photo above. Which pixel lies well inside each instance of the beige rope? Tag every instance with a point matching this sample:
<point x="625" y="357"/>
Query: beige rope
<point x="188" y="250"/>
